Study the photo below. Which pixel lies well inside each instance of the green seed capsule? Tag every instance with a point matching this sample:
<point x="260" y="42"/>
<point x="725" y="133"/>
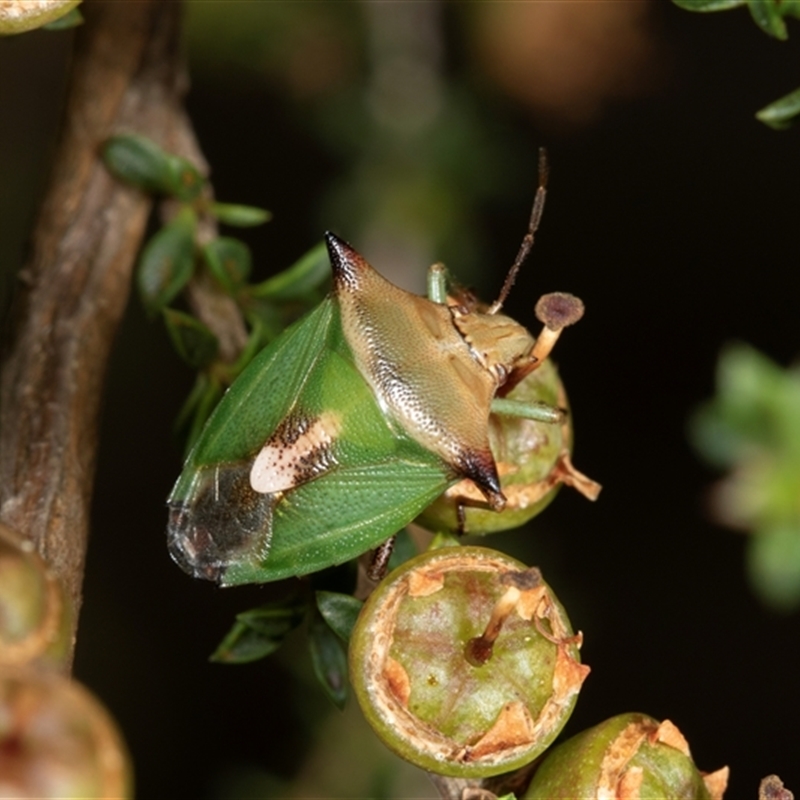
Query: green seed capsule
<point x="464" y="662"/>
<point x="628" y="757"/>
<point x="533" y="461"/>
<point x="34" y="613"/>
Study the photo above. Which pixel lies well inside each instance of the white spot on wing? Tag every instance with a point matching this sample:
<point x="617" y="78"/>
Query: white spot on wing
<point x="297" y="452"/>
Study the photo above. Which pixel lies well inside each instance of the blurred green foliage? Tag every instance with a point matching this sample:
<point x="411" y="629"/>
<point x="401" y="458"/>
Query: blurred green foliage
<point x="770" y="16"/>
<point x="374" y="89"/>
<point x="175" y="255"/>
<point x="751" y="428"/>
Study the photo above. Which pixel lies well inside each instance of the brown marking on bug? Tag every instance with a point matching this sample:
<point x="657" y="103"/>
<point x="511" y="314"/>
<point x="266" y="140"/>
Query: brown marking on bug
<point x="298" y="451"/>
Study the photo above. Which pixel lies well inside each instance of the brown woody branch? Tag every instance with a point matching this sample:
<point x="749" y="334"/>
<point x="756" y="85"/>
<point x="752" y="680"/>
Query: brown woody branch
<point x="126" y="76"/>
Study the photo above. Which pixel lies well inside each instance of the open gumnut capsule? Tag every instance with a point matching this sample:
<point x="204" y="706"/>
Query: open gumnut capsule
<point x="464" y="662"/>
<point x="35" y="619"/>
<point x="57" y="741"/>
<point x="628" y="757"/>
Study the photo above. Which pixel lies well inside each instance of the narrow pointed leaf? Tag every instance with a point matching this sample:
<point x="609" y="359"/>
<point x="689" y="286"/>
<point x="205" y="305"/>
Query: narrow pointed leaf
<point x="243" y="645"/>
<point x="274" y="619"/>
<point x="781" y="113"/>
<point x="340" y="611"/>
<point x="184" y="181"/>
<point x="167" y="262"/>
<point x="708" y="5"/>
<point x="304" y="276"/>
<point x="790" y="8"/>
<point x="259" y="632"/>
<point x="329" y="660"/>
<point x="240" y="216"/>
<point x="768" y="17"/>
<point x="229" y="261"/>
<point x="138" y="161"/>
<point x="194" y="342"/>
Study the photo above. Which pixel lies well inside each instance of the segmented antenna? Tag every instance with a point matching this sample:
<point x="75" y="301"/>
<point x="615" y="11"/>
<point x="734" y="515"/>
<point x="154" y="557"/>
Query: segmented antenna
<point x="527" y="241"/>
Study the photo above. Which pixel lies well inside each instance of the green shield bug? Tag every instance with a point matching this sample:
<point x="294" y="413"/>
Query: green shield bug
<point x="354" y="420"/>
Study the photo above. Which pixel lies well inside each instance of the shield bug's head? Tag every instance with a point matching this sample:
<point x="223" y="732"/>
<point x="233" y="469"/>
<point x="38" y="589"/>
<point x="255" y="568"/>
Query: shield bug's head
<point x="499" y="343"/>
<point x="530" y="430"/>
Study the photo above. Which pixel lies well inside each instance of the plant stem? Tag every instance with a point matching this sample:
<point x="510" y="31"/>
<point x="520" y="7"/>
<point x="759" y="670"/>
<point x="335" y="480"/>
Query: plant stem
<point x="126" y="75"/>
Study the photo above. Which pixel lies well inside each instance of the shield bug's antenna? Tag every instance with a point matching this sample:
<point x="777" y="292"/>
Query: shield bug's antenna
<point x="527" y="242"/>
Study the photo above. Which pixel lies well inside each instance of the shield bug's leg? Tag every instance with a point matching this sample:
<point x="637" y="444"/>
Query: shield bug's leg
<point x="539" y="412"/>
<point x="461" y="518"/>
<point x="299" y="450"/>
<point x="437" y="283"/>
<point x="380" y="560"/>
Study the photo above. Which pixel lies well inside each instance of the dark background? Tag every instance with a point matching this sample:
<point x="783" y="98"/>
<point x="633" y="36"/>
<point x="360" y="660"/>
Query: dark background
<point x="674" y="215"/>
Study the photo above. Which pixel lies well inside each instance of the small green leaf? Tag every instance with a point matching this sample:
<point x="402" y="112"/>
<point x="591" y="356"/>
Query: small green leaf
<point x="167" y="261"/>
<point x="259" y="631"/>
<point x="790" y="8"/>
<point x="329" y="660"/>
<point x="708" y="5"/>
<point x="767" y="16"/>
<point x="195" y="343"/>
<point x="240" y="216"/>
<point x="229" y="261"/>
<point x="340" y="611"/>
<point x="138" y="161"/>
<point x="242" y="645"/>
<point x="781" y="113"/>
<point x="184" y="181"/>
<point x="71" y="19"/>
<point x="773" y="562"/>
<point x="304" y="276"/>
<point x="275" y="619"/>
<point x="754" y="410"/>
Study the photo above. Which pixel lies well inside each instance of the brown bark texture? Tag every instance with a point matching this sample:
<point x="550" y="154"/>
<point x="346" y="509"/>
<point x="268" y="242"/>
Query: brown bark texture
<point x="126" y="76"/>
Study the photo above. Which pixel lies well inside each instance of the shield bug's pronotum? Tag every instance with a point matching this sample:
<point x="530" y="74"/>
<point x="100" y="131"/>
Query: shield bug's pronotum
<point x="359" y="416"/>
